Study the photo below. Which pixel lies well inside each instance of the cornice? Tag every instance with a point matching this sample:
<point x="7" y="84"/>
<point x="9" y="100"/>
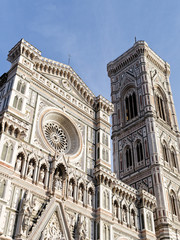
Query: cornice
<point x="140" y="48"/>
<point x="44" y="65"/>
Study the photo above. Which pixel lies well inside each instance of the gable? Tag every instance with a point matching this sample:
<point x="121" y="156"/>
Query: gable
<point x="52" y="224"/>
<point x="78" y="89"/>
<point x="53" y="229"/>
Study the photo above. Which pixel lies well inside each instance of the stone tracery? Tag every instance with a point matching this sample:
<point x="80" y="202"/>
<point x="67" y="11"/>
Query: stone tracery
<point x="56" y="136"/>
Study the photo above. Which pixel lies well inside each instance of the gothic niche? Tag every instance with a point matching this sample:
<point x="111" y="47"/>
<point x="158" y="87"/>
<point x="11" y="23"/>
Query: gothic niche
<point x="19" y="162"/>
<point x="71" y="187"/>
<point x="57" y="132"/>
<point x="59" y="177"/>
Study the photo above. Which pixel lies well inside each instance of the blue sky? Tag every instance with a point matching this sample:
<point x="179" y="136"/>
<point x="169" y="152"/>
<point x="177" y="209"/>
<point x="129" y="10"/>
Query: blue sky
<point x="93" y="33"/>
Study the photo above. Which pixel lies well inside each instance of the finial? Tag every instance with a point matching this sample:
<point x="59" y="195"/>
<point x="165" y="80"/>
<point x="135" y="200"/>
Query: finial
<point x="135" y="39"/>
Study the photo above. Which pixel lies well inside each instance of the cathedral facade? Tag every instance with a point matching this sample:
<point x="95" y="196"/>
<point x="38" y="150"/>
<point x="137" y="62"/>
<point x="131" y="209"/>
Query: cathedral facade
<point x="55" y="168"/>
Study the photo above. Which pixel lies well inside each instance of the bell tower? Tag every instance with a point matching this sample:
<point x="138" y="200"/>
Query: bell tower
<point x="145" y="132"/>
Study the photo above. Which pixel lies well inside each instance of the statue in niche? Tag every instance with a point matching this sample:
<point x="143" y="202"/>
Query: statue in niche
<point x="42" y="175"/>
<point x="30" y="170"/>
<point x="90" y="198"/>
<point x="133" y="218"/>
<point x="80" y="194"/>
<point x="71" y="190"/>
<point x="124" y="215"/>
<point x="115" y="210"/>
<point x="82" y="228"/>
<point x="27" y="210"/>
<point x="18" y="164"/>
<point x="71" y="222"/>
<point x="58" y="182"/>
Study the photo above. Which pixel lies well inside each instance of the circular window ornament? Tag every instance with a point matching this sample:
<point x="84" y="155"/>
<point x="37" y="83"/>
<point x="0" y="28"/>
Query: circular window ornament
<point x="56" y="136"/>
<point x="59" y="133"/>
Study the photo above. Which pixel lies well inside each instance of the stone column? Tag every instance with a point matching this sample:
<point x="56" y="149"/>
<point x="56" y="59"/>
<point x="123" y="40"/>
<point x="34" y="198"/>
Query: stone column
<point x="35" y="174"/>
<point x="46" y="178"/>
<point x="24" y="168"/>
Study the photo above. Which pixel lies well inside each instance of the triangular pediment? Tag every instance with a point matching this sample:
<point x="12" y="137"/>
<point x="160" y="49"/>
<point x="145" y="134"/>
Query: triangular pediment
<point x="53" y="229"/>
<point x="67" y="86"/>
<point x="51" y="225"/>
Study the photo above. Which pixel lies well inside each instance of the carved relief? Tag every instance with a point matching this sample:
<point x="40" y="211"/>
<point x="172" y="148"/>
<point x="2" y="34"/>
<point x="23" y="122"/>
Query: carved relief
<point x="53" y="230"/>
<point x="82" y="232"/>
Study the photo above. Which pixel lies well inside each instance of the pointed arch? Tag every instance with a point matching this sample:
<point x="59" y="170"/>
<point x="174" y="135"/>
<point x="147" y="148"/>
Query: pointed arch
<point x="173" y="202"/>
<point x="15" y="101"/>
<point x="9" y="154"/>
<point x="19" y="106"/>
<point x="128" y="157"/>
<point x="19" y="84"/>
<point x="165" y="151"/>
<point x="139" y="151"/>
<point x="173" y="158"/>
<point x="23" y="88"/>
<point x="4" y="151"/>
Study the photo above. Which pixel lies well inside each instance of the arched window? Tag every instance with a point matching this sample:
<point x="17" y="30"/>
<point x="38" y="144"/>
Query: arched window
<point x="173" y="159"/>
<point x="15" y="102"/>
<point x="173" y="203"/>
<point x="165" y="153"/>
<point x="23" y="88"/>
<point x="106" y="203"/>
<point x="20" y="102"/>
<point x="19" y="86"/>
<point x="4" y="151"/>
<point x="98" y="136"/>
<point x="131" y="106"/>
<point x="128" y="157"/>
<point x="98" y="153"/>
<point x="160" y="107"/>
<point x="103" y="154"/>
<point x="103" y="138"/>
<point x="139" y="151"/>
<point x="9" y="154"/>
<point x="106" y="140"/>
<point x="107" y="156"/>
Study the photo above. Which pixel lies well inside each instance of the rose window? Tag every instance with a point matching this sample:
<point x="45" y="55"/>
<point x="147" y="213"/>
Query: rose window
<point x="56" y="136"/>
<point x="58" y="132"/>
